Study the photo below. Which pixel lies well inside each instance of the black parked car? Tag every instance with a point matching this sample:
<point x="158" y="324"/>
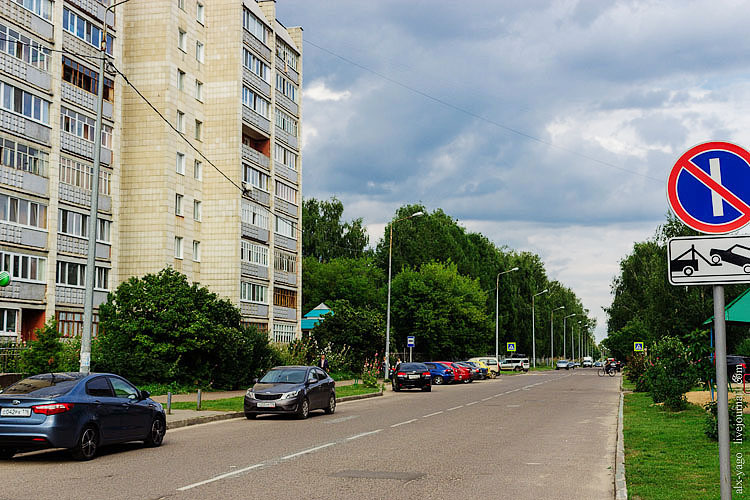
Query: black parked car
<point x="77" y="411"/>
<point x="411" y="375"/>
<point x="293" y="390"/>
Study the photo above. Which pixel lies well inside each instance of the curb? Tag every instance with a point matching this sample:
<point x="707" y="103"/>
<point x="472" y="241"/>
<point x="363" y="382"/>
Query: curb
<point x="621" y="487"/>
<point x="238" y="414"/>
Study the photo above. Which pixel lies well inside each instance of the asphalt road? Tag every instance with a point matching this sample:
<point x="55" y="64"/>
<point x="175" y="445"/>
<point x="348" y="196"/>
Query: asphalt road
<point x="529" y="436"/>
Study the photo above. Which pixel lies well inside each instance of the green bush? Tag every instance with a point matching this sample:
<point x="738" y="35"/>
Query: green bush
<point x="736" y="420"/>
<point x="637" y="364"/>
<point x="671" y="373"/>
<point x="48" y="353"/>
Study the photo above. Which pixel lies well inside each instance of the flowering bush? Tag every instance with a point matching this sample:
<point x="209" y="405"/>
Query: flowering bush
<point x="671" y="373"/>
<point x="370" y="371"/>
<point x="637" y="364"/>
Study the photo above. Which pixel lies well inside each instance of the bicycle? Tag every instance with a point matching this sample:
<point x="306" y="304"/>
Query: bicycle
<point x="602" y="371"/>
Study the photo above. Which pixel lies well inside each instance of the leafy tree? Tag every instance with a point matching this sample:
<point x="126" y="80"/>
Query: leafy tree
<point x="358" y="281"/>
<point x="671" y="374"/>
<point x="326" y="237"/>
<point x="444" y="309"/>
<point x="161" y="329"/>
<point x="48" y="353"/>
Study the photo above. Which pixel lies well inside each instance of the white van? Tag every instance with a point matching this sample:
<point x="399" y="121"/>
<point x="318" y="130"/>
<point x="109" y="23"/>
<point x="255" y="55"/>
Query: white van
<point x="588" y="362"/>
<point x="515" y="364"/>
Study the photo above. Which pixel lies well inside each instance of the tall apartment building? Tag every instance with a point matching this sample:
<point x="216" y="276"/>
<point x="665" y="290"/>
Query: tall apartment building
<point x="219" y="202"/>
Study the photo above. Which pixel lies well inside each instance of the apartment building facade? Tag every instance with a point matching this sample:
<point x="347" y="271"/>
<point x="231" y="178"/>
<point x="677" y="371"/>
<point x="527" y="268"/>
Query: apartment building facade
<point x="217" y="199"/>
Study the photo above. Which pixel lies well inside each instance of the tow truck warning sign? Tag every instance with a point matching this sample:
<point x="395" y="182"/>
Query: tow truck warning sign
<point x="705" y="260"/>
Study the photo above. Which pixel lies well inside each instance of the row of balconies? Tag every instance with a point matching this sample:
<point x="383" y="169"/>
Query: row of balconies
<point x="261" y="310"/>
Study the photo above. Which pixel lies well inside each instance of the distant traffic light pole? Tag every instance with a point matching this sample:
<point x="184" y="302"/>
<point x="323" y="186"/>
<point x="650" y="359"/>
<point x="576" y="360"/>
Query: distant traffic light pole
<point x="551" y="333"/>
<point x="388" y="312"/>
<point x="497" y="321"/>
<point x="533" y="326"/>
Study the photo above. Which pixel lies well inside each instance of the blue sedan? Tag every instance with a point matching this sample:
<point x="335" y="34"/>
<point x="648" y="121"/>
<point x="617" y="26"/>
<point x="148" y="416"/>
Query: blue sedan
<point x="441" y="374"/>
<point x="77" y="411"/>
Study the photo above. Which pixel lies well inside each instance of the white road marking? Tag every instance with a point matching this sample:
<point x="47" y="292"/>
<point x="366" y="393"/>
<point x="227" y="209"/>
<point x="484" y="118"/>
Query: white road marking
<point x="533" y="463"/>
<point x="357" y="436"/>
<point x="455" y="408"/>
<point x="487" y="399"/>
<point x="341" y="419"/>
<point x="218" y="478"/>
<point x="432" y="414"/>
<point x="472" y="403"/>
<point x="304" y="452"/>
<point x="514" y="406"/>
<point x="404" y="423"/>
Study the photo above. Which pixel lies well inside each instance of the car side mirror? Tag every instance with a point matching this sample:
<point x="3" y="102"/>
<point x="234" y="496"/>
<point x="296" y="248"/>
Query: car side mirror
<point x="255" y="380"/>
<point x="145" y="395"/>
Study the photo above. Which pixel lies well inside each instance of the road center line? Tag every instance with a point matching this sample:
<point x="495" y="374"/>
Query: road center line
<point x="404" y="423"/>
<point x="455" y="408"/>
<point x="487" y="399"/>
<point x="432" y="414"/>
<point x="218" y="478"/>
<point x="304" y="452"/>
<point x="357" y="436"/>
<point x="472" y="403"/>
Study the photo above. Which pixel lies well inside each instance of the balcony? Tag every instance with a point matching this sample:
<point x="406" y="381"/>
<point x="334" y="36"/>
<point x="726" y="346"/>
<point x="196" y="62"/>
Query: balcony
<point x="287" y="138"/>
<point x="285" y="207"/>
<point x="257" y="46"/>
<point x="82" y="147"/>
<point x="24" y="180"/>
<point x="26" y="72"/>
<point x="285" y="277"/>
<point x="287" y="313"/>
<point x="25" y="18"/>
<point x="255" y="81"/>
<point x="20" y="125"/>
<point x="287" y="103"/>
<point x="254" y="156"/>
<point x="80" y="246"/>
<point x="285" y="172"/>
<point x="255" y="120"/>
<point x="254" y="270"/>
<point x="259" y="196"/>
<point x="30" y="292"/>
<point x="255" y="232"/>
<point x="84" y="99"/>
<point x="95" y="9"/>
<point x="257" y="310"/>
<point x="80" y="196"/>
<point x="75" y="296"/>
<point x="21" y="235"/>
<point x="282" y="67"/>
<point x="285" y="243"/>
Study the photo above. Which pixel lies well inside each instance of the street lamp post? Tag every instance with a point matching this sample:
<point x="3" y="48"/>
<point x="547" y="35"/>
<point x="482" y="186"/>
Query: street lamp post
<point x="88" y="303"/>
<point x="388" y="313"/>
<point x="551" y="333"/>
<point x="533" y="327"/>
<point x="579" y="338"/>
<point x="497" y="317"/>
<point x="565" y="355"/>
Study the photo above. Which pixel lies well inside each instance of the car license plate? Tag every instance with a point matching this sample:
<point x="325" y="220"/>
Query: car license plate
<point x="413" y="376"/>
<point x="266" y="404"/>
<point x="15" y="412"/>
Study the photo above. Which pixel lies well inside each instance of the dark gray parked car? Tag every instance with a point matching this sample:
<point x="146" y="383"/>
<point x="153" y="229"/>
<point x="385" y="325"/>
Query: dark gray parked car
<point x="77" y="411"/>
<point x="293" y="390"/>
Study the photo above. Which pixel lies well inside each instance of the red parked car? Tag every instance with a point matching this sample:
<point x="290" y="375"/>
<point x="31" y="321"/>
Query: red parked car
<point x="460" y="373"/>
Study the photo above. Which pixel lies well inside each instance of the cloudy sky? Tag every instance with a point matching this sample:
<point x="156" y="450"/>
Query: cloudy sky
<point x="548" y="126"/>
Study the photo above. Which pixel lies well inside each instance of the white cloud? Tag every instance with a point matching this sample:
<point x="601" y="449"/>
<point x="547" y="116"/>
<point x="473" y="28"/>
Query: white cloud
<point x="318" y="91"/>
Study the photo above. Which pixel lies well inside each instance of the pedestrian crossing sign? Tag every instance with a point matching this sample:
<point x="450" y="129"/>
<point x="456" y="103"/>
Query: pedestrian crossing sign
<point x="511" y="346"/>
<point x="638" y="346"/>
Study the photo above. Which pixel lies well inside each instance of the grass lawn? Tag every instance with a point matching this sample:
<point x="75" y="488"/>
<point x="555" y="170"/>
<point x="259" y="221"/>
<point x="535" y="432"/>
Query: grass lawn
<point x="236" y="404"/>
<point x="667" y="455"/>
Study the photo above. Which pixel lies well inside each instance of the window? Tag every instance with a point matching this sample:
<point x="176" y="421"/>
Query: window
<point x="286" y="262"/>
<point x="283" y="332"/>
<point x="72" y="223"/>
<point x="42" y="8"/>
<point x="181" y="163"/>
<point x="196" y="251"/>
<point x="24" y="267"/>
<point x="199" y="51"/>
<point x="255" y="102"/>
<point x="180" y="79"/>
<point x="255" y="215"/>
<point x="178" y="204"/>
<point x="286" y="123"/>
<point x="22" y="156"/>
<point x="256" y="65"/>
<point x="286" y="192"/>
<point x="198" y="170"/>
<point x="251" y="292"/>
<point x="24" y="48"/>
<point x="123" y="389"/>
<point x="71" y="274"/>
<point x="255" y="177"/>
<point x="255" y="26"/>
<point x="83" y="126"/>
<point x="181" y="4"/>
<point x="26" y="104"/>
<point x="286" y="227"/>
<point x="8" y="321"/>
<point x="198" y="129"/>
<point x="70" y="324"/>
<point x="75" y="173"/>
<point x="253" y="253"/>
<point x="198" y="90"/>
<point x="85" y="79"/>
<point x="199" y="13"/>
<point x="287" y="54"/>
<point x="23" y="212"/>
<point x="102" y="278"/>
<point x="182" y="40"/>
<point x="99" y="388"/>
<point x="180" y="121"/>
<point x="197" y="210"/>
<point x="103" y="230"/>
<point x="286" y="87"/>
<point x="285" y="157"/>
<point x="85" y="30"/>
<point x="178" y="247"/>
<point x="284" y="298"/>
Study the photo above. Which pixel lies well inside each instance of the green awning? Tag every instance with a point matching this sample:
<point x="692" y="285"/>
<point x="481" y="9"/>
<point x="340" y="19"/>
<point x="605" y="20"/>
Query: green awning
<point x="737" y="311"/>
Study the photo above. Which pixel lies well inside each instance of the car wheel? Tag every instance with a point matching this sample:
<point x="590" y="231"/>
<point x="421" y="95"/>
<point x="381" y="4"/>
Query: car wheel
<point x="304" y="409"/>
<point x="7" y="453"/>
<point x="517" y="369"/>
<point x="716" y="259"/>
<point x="395" y="387"/>
<point x="331" y="404"/>
<point x="736" y="378"/>
<point x="156" y="436"/>
<point x="87" y="444"/>
<point x="467" y="380"/>
<point x="250" y="416"/>
<point x="438" y="380"/>
<point x="746" y="268"/>
<point x="427" y="388"/>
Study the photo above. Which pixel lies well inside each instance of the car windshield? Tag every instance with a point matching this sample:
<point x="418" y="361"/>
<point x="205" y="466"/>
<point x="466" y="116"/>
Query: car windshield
<point x="284" y="376"/>
<point x="48" y="385"/>
<point x="412" y="366"/>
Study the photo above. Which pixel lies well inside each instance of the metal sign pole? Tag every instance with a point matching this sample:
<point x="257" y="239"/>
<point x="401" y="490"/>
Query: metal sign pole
<point x="410" y="349"/>
<point x="722" y="393"/>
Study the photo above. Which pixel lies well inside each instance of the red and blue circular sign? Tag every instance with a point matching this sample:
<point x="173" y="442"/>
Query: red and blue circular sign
<point x="709" y="187"/>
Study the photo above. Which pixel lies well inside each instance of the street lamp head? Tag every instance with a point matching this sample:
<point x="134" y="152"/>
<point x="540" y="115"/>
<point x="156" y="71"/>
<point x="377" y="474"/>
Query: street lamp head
<point x="514" y="269"/>
<point x="558" y="308"/>
<point x="417" y="214"/>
